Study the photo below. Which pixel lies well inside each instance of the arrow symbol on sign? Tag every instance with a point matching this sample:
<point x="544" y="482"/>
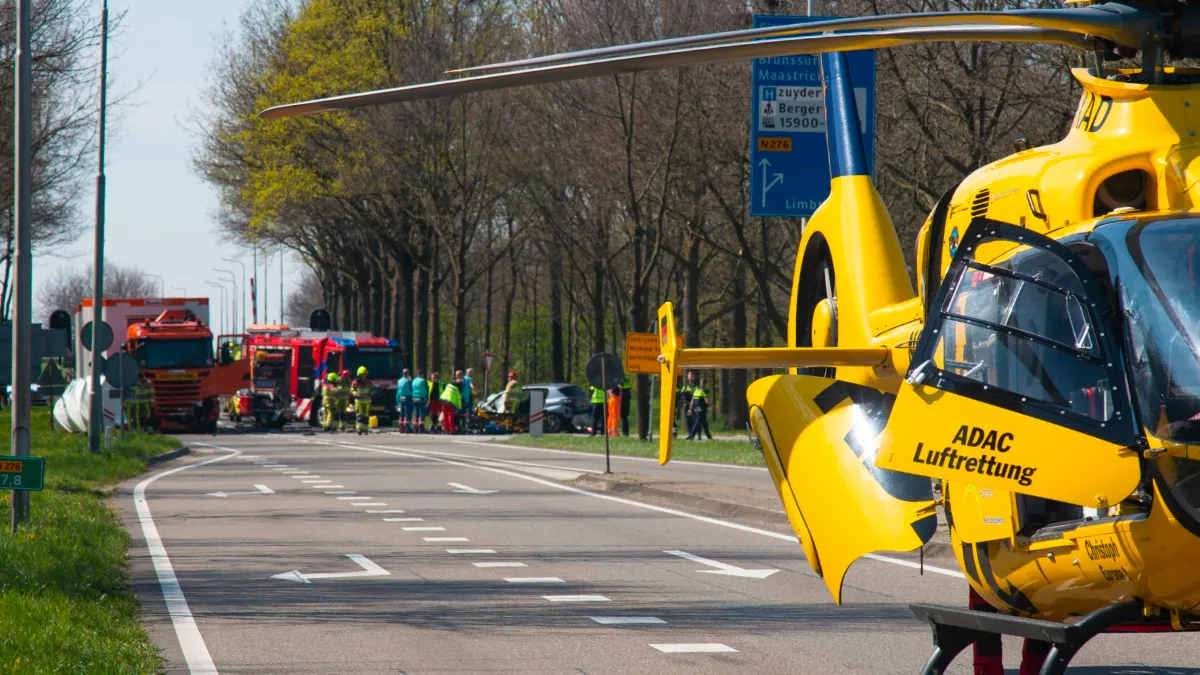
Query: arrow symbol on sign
<point x="723" y="568"/>
<point x="262" y="490"/>
<point x="369" y="569"/>
<point x="469" y="490"/>
<point x="765" y="164"/>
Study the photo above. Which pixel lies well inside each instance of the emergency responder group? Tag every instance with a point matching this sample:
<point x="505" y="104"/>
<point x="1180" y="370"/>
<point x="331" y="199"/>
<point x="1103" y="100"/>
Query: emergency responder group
<point x="337" y="394"/>
<point x="443" y="403"/>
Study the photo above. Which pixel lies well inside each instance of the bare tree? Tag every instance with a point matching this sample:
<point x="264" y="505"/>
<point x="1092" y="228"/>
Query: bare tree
<point x="69" y="287"/>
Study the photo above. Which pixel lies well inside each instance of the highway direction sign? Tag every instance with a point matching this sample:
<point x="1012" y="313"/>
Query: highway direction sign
<point x="789" y="158"/>
<point x="22" y="473"/>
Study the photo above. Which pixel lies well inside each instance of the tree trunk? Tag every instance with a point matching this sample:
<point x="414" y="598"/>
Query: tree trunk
<point x="691" y="295"/>
<point x="506" y="344"/>
<point x="459" y="360"/>
<point x="422" y="300"/>
<point x="597" y="307"/>
<point x="407" y="307"/>
<point x="558" y="371"/>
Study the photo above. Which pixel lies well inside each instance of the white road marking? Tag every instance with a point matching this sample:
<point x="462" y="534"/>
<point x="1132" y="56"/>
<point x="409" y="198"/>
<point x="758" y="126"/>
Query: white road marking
<point x="576" y="598"/>
<point x="576" y="453"/>
<point x="369" y="569"/>
<point x="305" y="477"/>
<point x="369" y="504"/>
<point x="322" y="487"/>
<point x="260" y="490"/>
<point x="446" y="539"/>
<point x="386" y="511"/>
<point x="623" y="620"/>
<point x="723" y="568"/>
<point x="338" y="492"/>
<point x="412" y="453"/>
<point x="534" y="580"/>
<point x="191" y="642"/>
<point x="499" y="564"/>
<point x="424" y="529"/>
<point x="479" y="551"/>
<point x="694" y="648"/>
<point x="407" y="519"/>
<point x="469" y="490"/>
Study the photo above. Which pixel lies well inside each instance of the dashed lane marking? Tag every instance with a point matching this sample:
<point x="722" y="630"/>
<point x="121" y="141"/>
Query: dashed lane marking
<point x="694" y="648"/>
<point x="406" y="519"/>
<point x="499" y="564"/>
<point x="414" y="453"/>
<point x="433" y="539"/>
<point x="369" y="504"/>
<point x="576" y="598"/>
<point x="534" y="580"/>
<point x="305" y="478"/>
<point x="424" y="529"/>
<point x="338" y="492"/>
<point x="387" y="511"/>
<point x="471" y="551"/>
<point x="625" y="620"/>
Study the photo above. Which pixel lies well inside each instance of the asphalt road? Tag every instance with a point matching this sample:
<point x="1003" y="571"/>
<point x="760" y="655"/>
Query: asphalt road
<point x="470" y="558"/>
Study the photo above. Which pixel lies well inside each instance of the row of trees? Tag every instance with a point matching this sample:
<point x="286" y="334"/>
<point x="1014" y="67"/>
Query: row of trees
<point x="543" y="224"/>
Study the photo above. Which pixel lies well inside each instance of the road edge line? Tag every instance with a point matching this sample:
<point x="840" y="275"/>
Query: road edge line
<point x="191" y="642"/>
<point x="716" y="465"/>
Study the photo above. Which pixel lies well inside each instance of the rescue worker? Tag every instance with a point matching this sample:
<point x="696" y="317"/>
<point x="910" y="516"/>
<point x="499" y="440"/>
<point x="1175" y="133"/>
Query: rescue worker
<point x="699" y="412"/>
<point x="343" y="398"/>
<point x="420" y="401"/>
<point x="404" y="402"/>
<point x="626" y="397"/>
<point x="363" y="391"/>
<point x="613" y="420"/>
<point x="989" y="651"/>
<point x="684" y="401"/>
<point x="435" y="402"/>
<point x="329" y="398"/>
<point x="597" y="410"/>
<point x="512" y="393"/>
<point x="468" y="391"/>
<point x="143" y="406"/>
<point x="451" y="400"/>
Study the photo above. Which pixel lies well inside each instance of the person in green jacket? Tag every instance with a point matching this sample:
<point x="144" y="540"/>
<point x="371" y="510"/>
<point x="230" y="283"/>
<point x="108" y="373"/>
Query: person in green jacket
<point x="699" y="412"/>
<point x="451" y="402"/>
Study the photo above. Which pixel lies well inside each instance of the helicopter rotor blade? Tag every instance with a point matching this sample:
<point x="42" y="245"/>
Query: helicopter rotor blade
<point x="1118" y="23"/>
<point x="805" y="44"/>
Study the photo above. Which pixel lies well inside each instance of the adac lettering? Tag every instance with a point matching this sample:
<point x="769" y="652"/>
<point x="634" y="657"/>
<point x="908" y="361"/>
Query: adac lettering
<point x="984" y="464"/>
<point x="1101" y="550"/>
<point x="974" y="437"/>
<point x="1094" y="111"/>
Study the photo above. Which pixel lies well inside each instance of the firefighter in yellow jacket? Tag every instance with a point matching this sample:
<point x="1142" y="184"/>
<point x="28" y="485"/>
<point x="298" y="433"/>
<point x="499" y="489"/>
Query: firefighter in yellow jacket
<point x="329" y="402"/>
<point x="363" y="390"/>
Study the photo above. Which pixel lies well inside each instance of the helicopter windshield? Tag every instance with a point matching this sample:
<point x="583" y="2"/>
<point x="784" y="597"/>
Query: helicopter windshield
<point x="1161" y="298"/>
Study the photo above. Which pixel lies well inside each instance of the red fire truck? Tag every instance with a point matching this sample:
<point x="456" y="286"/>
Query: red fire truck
<point x="288" y="365"/>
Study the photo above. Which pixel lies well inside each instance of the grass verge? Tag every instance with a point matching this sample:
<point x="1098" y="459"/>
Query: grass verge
<point x="65" y="606"/>
<point x="718" y="451"/>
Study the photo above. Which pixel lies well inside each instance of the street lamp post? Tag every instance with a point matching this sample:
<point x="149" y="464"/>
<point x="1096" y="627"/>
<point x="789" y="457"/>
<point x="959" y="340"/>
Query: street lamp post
<point x="224" y="303"/>
<point x="242" y="296"/>
<point x="22" y="347"/>
<point x="96" y="418"/>
<point x="162" y="284"/>
<point x="233" y="296"/>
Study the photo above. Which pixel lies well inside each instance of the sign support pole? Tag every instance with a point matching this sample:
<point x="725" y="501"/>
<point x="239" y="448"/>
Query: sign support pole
<point x="96" y="421"/>
<point x="23" y="291"/>
<point x="604" y="381"/>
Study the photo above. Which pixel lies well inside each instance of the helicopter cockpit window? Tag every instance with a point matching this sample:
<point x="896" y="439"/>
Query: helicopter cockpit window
<point x="1022" y="326"/>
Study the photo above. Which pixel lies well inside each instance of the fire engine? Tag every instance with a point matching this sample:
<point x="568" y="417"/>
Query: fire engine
<point x="288" y="365"/>
<point x="175" y="352"/>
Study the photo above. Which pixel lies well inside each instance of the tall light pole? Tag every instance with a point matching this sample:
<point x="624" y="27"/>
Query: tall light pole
<point x="254" y="288"/>
<point x="22" y="349"/>
<point x="282" y="300"/>
<point x="224" y="304"/>
<point x="162" y="284"/>
<point x="242" y="297"/>
<point x="96" y="422"/>
<point x="233" y="295"/>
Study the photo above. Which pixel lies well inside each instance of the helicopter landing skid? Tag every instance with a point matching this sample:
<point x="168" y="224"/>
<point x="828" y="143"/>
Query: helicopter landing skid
<point x="955" y="629"/>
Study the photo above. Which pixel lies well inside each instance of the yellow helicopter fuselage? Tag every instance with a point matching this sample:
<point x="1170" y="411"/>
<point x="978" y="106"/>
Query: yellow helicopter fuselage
<point x="851" y="446"/>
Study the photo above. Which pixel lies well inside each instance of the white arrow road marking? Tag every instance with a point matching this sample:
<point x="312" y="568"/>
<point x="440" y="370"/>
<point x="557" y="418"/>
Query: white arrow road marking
<point x="369" y="569"/>
<point x="723" y="568"/>
<point x="262" y="490"/>
<point x="469" y="490"/>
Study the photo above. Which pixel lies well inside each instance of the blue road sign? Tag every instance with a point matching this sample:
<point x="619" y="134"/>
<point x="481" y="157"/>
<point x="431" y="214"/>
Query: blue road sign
<point x="789" y="158"/>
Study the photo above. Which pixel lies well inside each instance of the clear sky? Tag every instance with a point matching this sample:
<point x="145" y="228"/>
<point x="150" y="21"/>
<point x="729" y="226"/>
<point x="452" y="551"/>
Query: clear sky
<point x="160" y="214"/>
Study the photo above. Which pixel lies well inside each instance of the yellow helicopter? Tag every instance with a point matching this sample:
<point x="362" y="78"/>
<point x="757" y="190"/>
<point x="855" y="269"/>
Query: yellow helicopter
<point x="1046" y="369"/>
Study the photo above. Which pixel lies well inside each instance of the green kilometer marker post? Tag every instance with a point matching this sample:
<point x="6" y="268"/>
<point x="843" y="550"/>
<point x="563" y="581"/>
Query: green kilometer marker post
<point x="22" y="473"/>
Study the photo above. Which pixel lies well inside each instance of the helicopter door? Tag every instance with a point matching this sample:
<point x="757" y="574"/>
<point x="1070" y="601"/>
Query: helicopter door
<point x="1017" y="383"/>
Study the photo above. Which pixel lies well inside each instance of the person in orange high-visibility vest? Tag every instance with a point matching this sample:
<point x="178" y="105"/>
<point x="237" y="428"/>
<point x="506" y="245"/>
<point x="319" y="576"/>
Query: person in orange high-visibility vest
<point x="613" y="420"/>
